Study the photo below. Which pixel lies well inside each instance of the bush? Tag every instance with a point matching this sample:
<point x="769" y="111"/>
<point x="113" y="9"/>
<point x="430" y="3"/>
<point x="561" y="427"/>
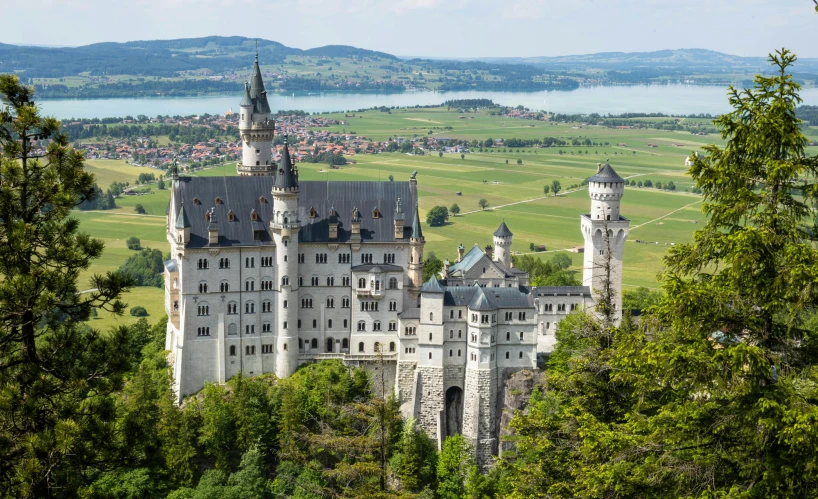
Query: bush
<point x="145" y="268"/>
<point x="139" y="311"/>
<point x="437" y="216"/>
<point x="133" y="243"/>
<point x="139" y="209"/>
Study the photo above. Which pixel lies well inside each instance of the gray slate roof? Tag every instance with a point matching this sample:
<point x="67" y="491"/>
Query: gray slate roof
<point x="417" y="232"/>
<point x="606" y="174"/>
<point x="384" y="267"/>
<point x="242" y="195"/>
<point x="432" y="286"/>
<point x="561" y="290"/>
<point x="182" y="221"/>
<point x="411" y="313"/>
<point x="493" y="298"/>
<point x="502" y="230"/>
<point x="257" y="91"/>
<point x="287" y="177"/>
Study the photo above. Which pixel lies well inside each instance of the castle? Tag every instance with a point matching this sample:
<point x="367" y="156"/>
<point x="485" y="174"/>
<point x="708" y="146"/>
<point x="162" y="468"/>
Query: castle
<point x="268" y="272"/>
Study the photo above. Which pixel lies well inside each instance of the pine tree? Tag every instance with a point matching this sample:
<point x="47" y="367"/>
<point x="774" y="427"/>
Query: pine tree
<point x="56" y="374"/>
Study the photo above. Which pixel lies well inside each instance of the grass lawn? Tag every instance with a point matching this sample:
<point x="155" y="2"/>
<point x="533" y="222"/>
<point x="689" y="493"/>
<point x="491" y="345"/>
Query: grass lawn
<point x="108" y="171"/>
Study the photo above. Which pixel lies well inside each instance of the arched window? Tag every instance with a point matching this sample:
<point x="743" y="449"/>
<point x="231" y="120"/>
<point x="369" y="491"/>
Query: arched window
<point x="431" y="316"/>
<point x="393" y="283"/>
<point x="361" y="346"/>
<point x="232" y="308"/>
<point x="361" y="283"/>
<point x="377" y="347"/>
<point x="391" y="346"/>
<point x="202" y="287"/>
<point x="314" y="343"/>
<point x="232" y="350"/>
<point x="344" y="343"/>
<point x="361" y="326"/>
<point x="249" y="307"/>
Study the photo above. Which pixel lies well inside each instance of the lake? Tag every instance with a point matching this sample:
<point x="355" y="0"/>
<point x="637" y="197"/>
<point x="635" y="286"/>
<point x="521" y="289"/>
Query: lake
<point x="669" y="99"/>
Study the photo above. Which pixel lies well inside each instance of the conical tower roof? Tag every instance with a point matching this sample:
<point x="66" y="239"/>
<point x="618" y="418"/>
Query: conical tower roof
<point x="246" y="100"/>
<point x="606" y="174"/>
<point x="432" y="286"/>
<point x="502" y="231"/>
<point x="287" y="178"/>
<point x="417" y="233"/>
<point x="181" y="220"/>
<point x="257" y="92"/>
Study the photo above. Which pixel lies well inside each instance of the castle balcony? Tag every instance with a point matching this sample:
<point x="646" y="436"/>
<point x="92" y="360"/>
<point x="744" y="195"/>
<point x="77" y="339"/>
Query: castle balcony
<point x="369" y="357"/>
<point x="370" y="293"/>
<point x="289" y="226"/>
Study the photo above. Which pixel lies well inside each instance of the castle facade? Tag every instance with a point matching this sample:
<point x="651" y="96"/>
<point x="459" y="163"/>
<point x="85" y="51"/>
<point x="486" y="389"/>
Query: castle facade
<point x="268" y="272"/>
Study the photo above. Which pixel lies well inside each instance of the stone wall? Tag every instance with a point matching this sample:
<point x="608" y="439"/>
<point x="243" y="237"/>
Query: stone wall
<point x="431" y="397"/>
<point x="480" y="413"/>
<point x="405" y="384"/>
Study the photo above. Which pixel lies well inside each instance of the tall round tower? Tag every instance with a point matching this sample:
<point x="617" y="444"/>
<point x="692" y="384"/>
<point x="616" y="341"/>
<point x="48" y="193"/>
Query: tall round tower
<point x="605" y="232"/>
<point x="285" y="227"/>
<point x="502" y="245"/>
<point x="256" y="128"/>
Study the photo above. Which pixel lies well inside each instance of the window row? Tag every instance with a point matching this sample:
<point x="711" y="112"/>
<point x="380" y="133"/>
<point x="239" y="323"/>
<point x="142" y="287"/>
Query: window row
<point x="377" y="347"/>
<point x="376" y="326"/>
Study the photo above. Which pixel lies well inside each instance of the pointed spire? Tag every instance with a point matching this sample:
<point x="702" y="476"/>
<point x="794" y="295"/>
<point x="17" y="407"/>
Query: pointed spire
<point x="432" y="286"/>
<point x="502" y="230"/>
<point x="287" y="177"/>
<point x="181" y="220"/>
<point x="417" y="233"/>
<point x="246" y="100"/>
<point x="257" y="92"/>
<point x="174" y="170"/>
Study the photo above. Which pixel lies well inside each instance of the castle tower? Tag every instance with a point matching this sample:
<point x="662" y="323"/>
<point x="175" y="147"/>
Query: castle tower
<point x="606" y="189"/>
<point x="256" y="128"/>
<point x="285" y="226"/>
<point x="416" y="242"/>
<point x="502" y="245"/>
<point x="480" y="390"/>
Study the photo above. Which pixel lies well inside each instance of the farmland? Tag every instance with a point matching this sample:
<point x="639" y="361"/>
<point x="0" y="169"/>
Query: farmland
<point x="514" y="191"/>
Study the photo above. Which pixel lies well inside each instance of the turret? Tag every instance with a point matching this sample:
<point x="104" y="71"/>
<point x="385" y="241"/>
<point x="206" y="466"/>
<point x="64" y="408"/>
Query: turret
<point x="256" y="128"/>
<point x="605" y="232"/>
<point x="182" y="226"/>
<point x="502" y="245"/>
<point x="416" y="242"/>
<point x="285" y="227"/>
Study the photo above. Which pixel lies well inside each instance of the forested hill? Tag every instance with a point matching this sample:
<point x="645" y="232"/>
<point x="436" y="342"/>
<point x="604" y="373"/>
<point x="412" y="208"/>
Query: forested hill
<point x="164" y="58"/>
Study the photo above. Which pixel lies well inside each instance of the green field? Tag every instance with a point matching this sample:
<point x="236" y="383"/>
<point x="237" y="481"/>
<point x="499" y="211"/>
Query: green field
<point x="108" y="171"/>
<point x="515" y="192"/>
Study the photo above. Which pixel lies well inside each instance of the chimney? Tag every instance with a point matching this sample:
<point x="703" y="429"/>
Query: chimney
<point x="446" y="264"/>
<point x="460" y="251"/>
<point x="598" y="167"/>
<point x="213" y="229"/>
<point x="333" y="223"/>
<point x="399" y="219"/>
<point x="356" y="226"/>
<point x="490" y="252"/>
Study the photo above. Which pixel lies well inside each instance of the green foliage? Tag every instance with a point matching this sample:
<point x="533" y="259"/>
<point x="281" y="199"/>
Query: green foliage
<point x="138" y="311"/>
<point x="542" y="273"/>
<point x="437" y="216"/>
<point x="133" y="243"/>
<point x="139" y="209"/>
<point x="454" y="466"/>
<point x="415" y="461"/>
<point x="483" y="204"/>
<point x="640" y="299"/>
<point x="144" y="268"/>
<point x="432" y="266"/>
<point x="161" y="184"/>
<point x="57" y="375"/>
<point x="556" y="187"/>
<point x="561" y="260"/>
<point x="455" y="209"/>
<point x="546" y="189"/>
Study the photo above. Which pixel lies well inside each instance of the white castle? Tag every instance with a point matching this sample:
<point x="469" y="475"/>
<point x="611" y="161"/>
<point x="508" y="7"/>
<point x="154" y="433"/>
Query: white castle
<point x="268" y="272"/>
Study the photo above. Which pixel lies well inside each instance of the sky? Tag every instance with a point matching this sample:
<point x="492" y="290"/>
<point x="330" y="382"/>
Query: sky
<point x="436" y="28"/>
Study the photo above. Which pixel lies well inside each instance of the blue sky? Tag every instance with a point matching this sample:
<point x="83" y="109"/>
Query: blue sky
<point x="437" y="28"/>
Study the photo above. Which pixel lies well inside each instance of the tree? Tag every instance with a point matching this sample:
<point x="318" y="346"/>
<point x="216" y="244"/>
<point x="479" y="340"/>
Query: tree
<point x="639" y="184"/>
<point x="453" y="467"/>
<point x="546" y="189"/>
<point x="531" y="247"/>
<point x="440" y="154"/>
<point x="133" y="243"/>
<point x="391" y="178"/>
<point x="483" y="204"/>
<point x="561" y="260"/>
<point x="161" y="184"/>
<point x="519" y="161"/>
<point x="431" y="266"/>
<point x="437" y="216"/>
<point x="454" y="210"/>
<point x="556" y="187"/>
<point x="506" y="161"/>
<point x="57" y="374"/>
<point x="462" y="156"/>
<point x="139" y="209"/>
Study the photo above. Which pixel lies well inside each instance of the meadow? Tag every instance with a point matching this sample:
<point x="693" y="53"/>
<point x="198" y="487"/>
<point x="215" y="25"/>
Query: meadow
<point x="514" y="191"/>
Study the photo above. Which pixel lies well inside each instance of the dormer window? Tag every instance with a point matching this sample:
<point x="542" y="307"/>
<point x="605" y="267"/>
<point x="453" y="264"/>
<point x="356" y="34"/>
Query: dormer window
<point x="313" y="213"/>
<point x="207" y="216"/>
<point x="218" y="200"/>
<point x="196" y="201"/>
<point x="376" y="213"/>
<point x="231" y="217"/>
<point x="262" y="200"/>
<point x="254" y="216"/>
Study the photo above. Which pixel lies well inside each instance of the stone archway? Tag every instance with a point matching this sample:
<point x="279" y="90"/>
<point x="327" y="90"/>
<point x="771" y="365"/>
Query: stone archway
<point x="454" y="411"/>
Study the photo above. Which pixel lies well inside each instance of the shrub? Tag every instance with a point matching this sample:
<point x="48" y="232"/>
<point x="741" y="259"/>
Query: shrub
<point x="139" y="311"/>
<point x="133" y="243"/>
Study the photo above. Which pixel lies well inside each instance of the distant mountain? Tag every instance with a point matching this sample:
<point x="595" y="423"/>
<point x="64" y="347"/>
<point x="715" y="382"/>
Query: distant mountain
<point x="699" y="60"/>
<point x="164" y="58"/>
